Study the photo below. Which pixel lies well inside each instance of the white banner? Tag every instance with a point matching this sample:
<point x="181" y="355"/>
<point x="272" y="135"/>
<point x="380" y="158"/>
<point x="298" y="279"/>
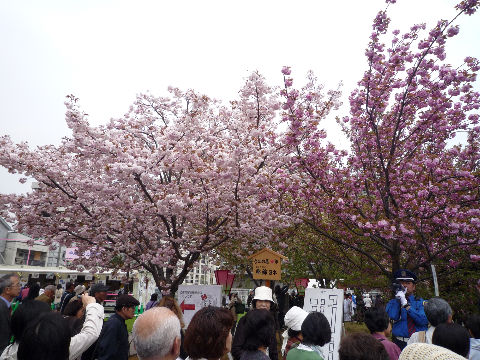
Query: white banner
<point x="192" y="298"/>
<point x="330" y="303"/>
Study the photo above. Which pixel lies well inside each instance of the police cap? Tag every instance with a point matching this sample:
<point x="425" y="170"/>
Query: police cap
<point x="405" y="275"/>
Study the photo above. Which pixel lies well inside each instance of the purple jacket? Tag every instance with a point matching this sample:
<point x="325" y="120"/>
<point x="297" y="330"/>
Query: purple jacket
<point x="392" y="349"/>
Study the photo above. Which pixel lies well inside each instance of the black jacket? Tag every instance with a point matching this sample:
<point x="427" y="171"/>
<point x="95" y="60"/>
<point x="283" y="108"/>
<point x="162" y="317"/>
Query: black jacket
<point x="65" y="300"/>
<point x="113" y="341"/>
<point x="5" y="330"/>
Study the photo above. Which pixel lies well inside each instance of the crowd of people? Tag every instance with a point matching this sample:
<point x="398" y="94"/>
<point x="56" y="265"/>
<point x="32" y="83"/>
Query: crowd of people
<point x="75" y="328"/>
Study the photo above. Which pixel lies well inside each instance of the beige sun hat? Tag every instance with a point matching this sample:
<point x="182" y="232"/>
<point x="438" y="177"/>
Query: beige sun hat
<point x="423" y="351"/>
<point x="263" y="293"/>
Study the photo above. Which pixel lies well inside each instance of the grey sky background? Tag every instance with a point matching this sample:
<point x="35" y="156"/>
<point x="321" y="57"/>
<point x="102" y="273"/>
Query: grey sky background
<point x="105" y="52"/>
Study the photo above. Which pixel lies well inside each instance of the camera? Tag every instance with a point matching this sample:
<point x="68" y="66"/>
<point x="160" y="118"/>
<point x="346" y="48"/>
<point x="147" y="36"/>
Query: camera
<point x="396" y="287"/>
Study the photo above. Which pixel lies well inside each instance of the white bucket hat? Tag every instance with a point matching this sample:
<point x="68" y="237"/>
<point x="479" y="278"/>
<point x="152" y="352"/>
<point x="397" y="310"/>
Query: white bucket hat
<point x="425" y="351"/>
<point x="294" y="318"/>
<point x="263" y="293"/>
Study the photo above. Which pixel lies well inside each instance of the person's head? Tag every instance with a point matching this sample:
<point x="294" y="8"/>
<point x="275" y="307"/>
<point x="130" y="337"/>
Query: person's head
<point x="473" y="326"/>
<point x="407" y="279"/>
<point x="74" y="308"/>
<point x="156" y="335"/>
<point x="453" y="337"/>
<point x="316" y="329"/>
<point x="208" y="334"/>
<point x="377" y="321"/>
<point x="69" y="287"/>
<point x="59" y="286"/>
<point x="99" y="291"/>
<point x="438" y="311"/>
<point x="293" y="321"/>
<point x="45" y="338"/>
<point x="125" y="306"/>
<point x="259" y="329"/>
<point x="426" y="351"/>
<point x="263" y="298"/>
<point x="25" y="313"/>
<point x="154" y="297"/>
<point x="170" y="303"/>
<point x="361" y="346"/>
<point x="79" y="290"/>
<point x="33" y="291"/>
<point x="9" y="286"/>
<point x="50" y="291"/>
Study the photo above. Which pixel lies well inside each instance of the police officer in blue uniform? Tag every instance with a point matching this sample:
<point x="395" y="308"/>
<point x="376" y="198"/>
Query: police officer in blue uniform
<point x="406" y="310"/>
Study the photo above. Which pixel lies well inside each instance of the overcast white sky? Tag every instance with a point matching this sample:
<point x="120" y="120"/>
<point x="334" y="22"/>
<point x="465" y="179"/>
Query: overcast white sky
<point x="105" y="52"/>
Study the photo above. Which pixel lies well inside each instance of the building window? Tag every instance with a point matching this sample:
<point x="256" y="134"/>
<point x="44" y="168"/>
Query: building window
<point x="30" y="257"/>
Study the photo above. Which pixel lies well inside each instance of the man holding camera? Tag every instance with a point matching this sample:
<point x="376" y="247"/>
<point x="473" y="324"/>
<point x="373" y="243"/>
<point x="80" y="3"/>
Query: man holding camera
<point x="406" y="310"/>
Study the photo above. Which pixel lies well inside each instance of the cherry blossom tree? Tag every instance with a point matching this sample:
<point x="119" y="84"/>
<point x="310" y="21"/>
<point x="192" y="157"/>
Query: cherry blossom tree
<point x="403" y="195"/>
<point x="174" y="178"/>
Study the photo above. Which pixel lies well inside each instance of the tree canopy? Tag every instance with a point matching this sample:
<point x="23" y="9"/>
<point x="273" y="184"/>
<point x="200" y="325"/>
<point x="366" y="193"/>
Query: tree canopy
<point x="182" y="175"/>
<point x="403" y="196"/>
<point x="175" y="177"/>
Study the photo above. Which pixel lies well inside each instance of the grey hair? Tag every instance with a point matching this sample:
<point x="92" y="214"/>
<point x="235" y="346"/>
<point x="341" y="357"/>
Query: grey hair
<point x="154" y="333"/>
<point x="6" y="281"/>
<point x="50" y="288"/>
<point x="437" y="311"/>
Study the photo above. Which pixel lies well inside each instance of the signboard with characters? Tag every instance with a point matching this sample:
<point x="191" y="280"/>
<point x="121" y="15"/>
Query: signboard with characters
<point x="330" y="303"/>
<point x="267" y="265"/>
<point x="192" y="298"/>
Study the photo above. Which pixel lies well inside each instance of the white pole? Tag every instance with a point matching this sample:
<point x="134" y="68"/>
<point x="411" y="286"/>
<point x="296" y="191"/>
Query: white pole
<point x="435" y="281"/>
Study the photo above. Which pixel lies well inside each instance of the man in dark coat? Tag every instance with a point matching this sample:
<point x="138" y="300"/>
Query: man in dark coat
<point x="262" y="300"/>
<point x="281" y="293"/>
<point x="67" y="295"/>
<point x="9" y="289"/>
<point x="113" y="341"/>
<point x="99" y="292"/>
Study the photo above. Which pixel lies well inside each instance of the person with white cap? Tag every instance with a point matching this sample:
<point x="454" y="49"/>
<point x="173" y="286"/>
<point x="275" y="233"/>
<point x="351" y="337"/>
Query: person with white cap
<point x="316" y="333"/>
<point x="262" y="300"/>
<point x="293" y="335"/>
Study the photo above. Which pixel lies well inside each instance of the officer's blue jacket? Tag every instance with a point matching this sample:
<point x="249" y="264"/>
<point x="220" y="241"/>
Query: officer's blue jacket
<point x="399" y="316"/>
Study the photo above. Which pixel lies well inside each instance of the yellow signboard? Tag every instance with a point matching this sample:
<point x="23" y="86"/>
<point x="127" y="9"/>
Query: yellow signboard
<point x="267" y="265"/>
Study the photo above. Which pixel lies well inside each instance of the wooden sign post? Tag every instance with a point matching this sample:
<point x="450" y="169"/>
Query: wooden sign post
<point x="267" y="265"/>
